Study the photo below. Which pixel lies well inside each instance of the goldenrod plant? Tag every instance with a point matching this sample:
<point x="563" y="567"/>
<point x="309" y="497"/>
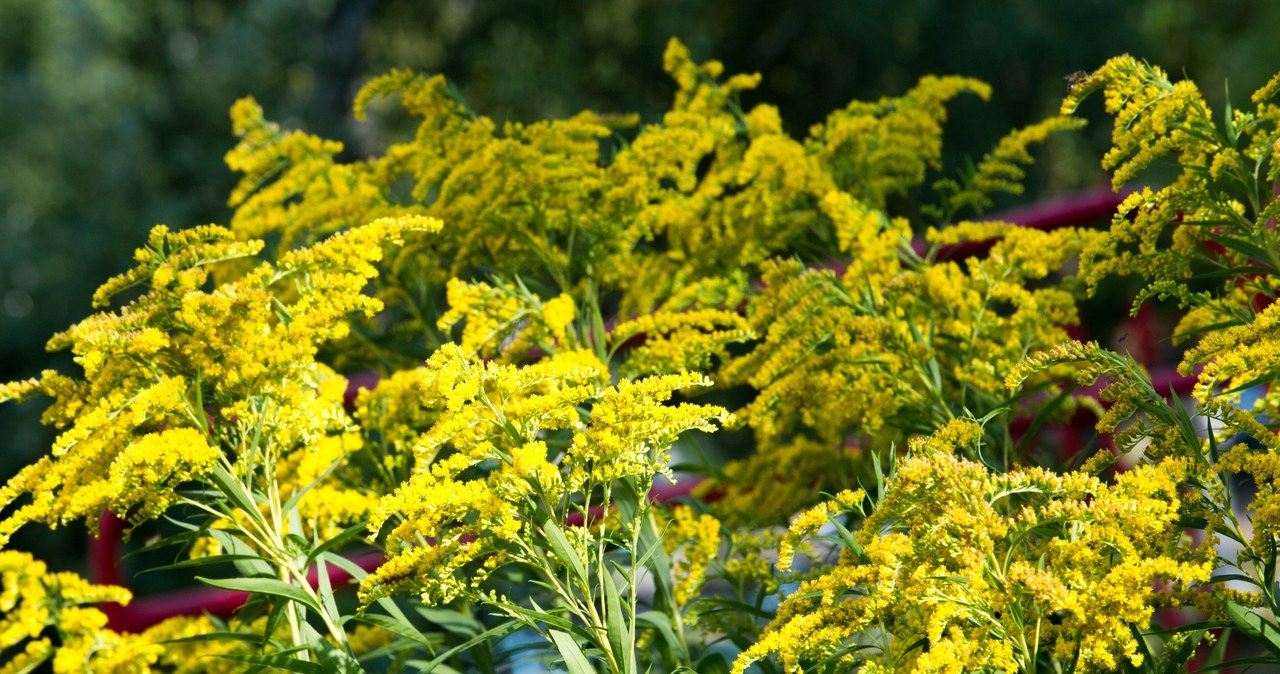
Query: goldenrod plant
<point x="556" y="309"/>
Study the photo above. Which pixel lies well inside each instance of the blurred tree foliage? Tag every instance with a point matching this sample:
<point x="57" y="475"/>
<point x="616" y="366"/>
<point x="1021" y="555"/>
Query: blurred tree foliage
<point x="113" y="114"/>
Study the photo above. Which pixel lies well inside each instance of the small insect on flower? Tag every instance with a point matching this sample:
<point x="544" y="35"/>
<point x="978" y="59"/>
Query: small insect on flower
<point x="1075" y="79"/>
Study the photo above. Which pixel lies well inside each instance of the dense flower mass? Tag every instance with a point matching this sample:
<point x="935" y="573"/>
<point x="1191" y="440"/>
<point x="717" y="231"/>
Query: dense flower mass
<point x="452" y="530"/>
<point x="564" y="316"/>
<point x="959" y="569"/>
<point x="34" y="601"/>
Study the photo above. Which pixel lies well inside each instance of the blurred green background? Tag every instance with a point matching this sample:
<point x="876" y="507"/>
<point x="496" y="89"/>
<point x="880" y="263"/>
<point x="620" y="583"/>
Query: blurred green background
<point x="113" y="114"/>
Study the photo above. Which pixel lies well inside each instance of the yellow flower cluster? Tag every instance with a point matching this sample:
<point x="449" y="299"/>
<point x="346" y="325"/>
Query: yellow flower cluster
<point x="1205" y="238"/>
<point x="631" y="427"/>
<point x="679" y="341"/>
<point x="182" y="374"/>
<point x="960" y="569"/>
<point x="33" y="600"/>
<point x="674" y="222"/>
<point x="876" y="149"/>
<point x="485" y="470"/>
<point x="280" y="167"/>
<point x="734" y="256"/>
<point x="1153" y="116"/>
<point x="1001" y="170"/>
<point x="697" y="536"/>
<point x="807" y="523"/>
<point x="855" y="359"/>
<point x="507" y="319"/>
<point x="1235" y="358"/>
<point x="1209" y="220"/>
<point x="711" y="191"/>
<point x="391" y="416"/>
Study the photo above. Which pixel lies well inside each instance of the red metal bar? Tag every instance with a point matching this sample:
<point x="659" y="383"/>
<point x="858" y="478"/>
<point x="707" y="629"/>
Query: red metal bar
<point x="1082" y="208"/>
<point x="147" y="611"/>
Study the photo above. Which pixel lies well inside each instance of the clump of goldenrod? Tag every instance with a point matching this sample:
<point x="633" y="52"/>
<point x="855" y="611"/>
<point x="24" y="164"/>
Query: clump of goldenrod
<point x="539" y="353"/>
<point x="958" y="568"/>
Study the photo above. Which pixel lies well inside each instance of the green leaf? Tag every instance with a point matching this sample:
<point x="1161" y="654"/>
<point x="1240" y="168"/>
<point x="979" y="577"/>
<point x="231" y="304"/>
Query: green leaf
<point x="564" y="552"/>
<point x="1184" y="420"/>
<point x="615" y="623"/>
<point x="1201" y="625"/>
<point x="492" y="634"/>
<point x="280" y="611"/>
<point x="335" y="660"/>
<point x="217" y="636"/>
<point x="234" y="545"/>
<point x="574" y="660"/>
<point x="453" y="622"/>
<point x="1237" y="663"/>
<point x="878" y="473"/>
<point x="1219" y="652"/>
<point x="1193" y="521"/>
<point x="400" y="628"/>
<point x="712" y="663"/>
<point x="850" y="543"/>
<point x="1144" y="651"/>
<point x="279" y="661"/>
<point x="357" y="574"/>
<point x="627" y="499"/>
<point x="341" y="538"/>
<point x="1222" y="577"/>
<point x="267" y="586"/>
<point x="982" y="421"/>
<point x="1245" y="248"/>
<point x="1269" y="567"/>
<point x="661" y="622"/>
<point x="734" y="605"/>
<point x="202" y="561"/>
<point x="1254" y="625"/>
<point x="1175" y="661"/>
<point x="1213" y="448"/>
<point x="232" y="489"/>
<point x="550" y="618"/>
<point x="184" y="539"/>
<point x="325" y="590"/>
<point x="1232" y="271"/>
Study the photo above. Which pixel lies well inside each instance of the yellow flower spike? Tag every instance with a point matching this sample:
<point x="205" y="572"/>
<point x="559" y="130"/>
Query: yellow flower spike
<point x="557" y="314"/>
<point x="847" y="360"/>
<point x="245" y="348"/>
<point x="1001" y="170"/>
<point x="33" y="600"/>
<point x="680" y="341"/>
<point x="697" y="536"/>
<point x="874" y="150"/>
<point x="807" y="523"/>
<point x="475" y="501"/>
<point x="870" y="237"/>
<point x="1085" y="565"/>
<point x="20" y="390"/>
<point x="630" y="427"/>
<point x="506" y="319"/>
